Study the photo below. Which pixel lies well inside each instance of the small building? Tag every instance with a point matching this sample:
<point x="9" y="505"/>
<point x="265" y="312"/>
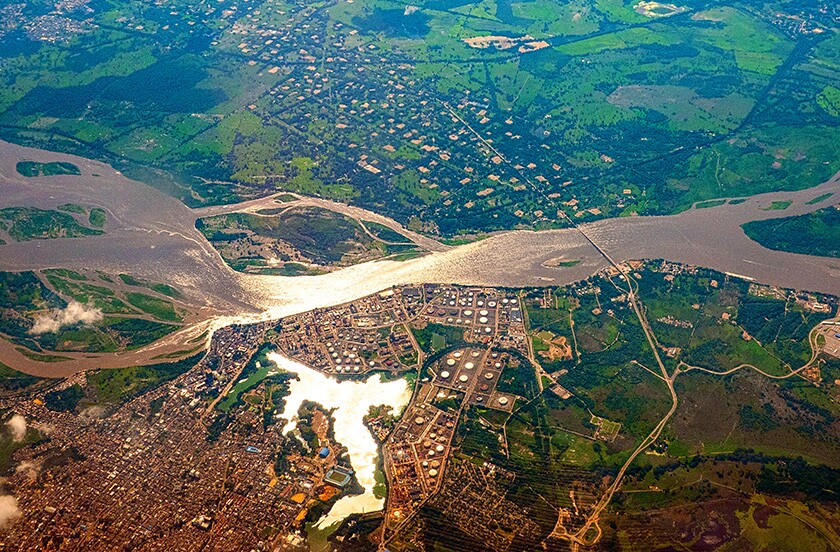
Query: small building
<point x="324" y="452"/>
<point x="203" y="522"/>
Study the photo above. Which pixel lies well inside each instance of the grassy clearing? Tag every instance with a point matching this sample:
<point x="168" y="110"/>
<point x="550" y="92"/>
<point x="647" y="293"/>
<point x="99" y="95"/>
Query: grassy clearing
<point x="384" y="233"/>
<point x="778" y="206"/>
<point x="97" y="217"/>
<point x="159" y="308"/>
<point x="163" y="289"/>
<point x="436" y="337"/>
<point x="120" y="385"/>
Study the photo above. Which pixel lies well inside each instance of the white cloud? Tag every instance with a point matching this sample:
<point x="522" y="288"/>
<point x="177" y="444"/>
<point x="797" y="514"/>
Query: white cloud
<point x="17" y="426"/>
<point x="9" y="510"/>
<point x="74" y="313"/>
<point x="30" y="469"/>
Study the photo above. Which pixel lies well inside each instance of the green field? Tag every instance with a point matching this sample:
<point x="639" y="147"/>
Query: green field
<point x="569" y="264"/>
<point x="120" y="385"/>
<point x="252" y="376"/>
<point x="436" y="337"/>
<point x="778" y="205"/>
<point x="625" y="110"/>
<point x="163" y="289"/>
<point x="384" y="233"/>
<point x="159" y="308"/>
<point x="710" y="203"/>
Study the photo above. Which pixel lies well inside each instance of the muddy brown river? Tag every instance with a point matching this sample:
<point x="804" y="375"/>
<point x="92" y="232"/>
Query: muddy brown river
<point x="153" y="235"/>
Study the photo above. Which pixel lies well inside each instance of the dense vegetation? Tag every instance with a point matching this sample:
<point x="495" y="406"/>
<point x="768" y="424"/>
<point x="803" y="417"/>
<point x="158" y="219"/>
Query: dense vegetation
<point x="816" y="233"/>
<point x="299" y="241"/>
<point x="97" y="217"/>
<point x="29" y="223"/>
<point x="163" y="289"/>
<point x="33" y="168"/>
<point x="21" y="292"/>
<point x="13" y="381"/>
<point x="125" y="320"/>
